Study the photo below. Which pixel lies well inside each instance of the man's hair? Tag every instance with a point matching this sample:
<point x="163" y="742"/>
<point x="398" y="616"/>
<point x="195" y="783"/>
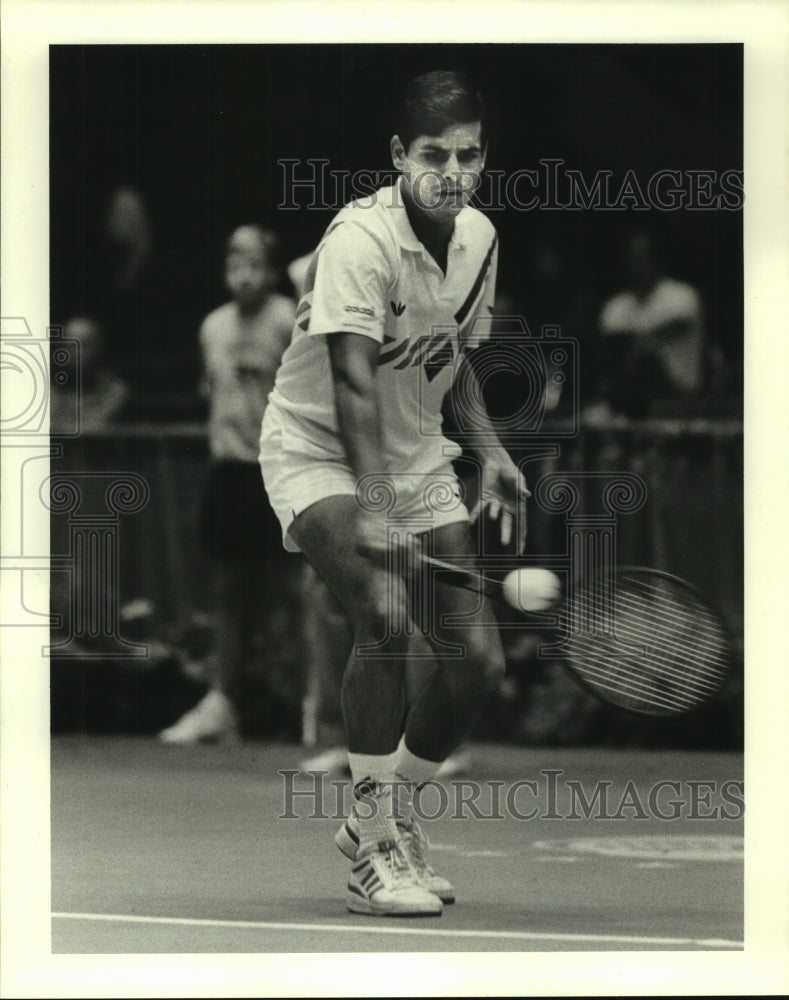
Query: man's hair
<point x="269" y="243"/>
<point x="435" y="101"/>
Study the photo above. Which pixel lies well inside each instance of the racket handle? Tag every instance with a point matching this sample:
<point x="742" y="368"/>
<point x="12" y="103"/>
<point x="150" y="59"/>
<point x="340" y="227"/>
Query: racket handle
<point x="468" y="579"/>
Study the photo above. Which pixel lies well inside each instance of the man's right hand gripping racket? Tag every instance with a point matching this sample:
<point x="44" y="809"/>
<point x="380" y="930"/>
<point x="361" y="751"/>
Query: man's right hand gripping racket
<point x="640" y="639"/>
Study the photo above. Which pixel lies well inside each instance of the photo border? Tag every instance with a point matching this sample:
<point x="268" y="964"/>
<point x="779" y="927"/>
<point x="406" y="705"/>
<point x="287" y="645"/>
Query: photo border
<point x="28" y="968"/>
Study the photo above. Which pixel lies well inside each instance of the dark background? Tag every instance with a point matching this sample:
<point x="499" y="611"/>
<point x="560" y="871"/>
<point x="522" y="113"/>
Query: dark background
<point x="198" y="130"/>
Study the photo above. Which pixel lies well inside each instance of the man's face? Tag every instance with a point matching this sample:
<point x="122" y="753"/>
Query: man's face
<point x="248" y="274"/>
<point x="441" y="172"/>
<point x="87" y="333"/>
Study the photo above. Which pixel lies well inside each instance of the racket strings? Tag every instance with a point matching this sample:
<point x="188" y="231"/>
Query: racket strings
<point x="680" y="613"/>
<point x="656" y="622"/>
<point x="623" y="628"/>
<point x="630" y="675"/>
<point x="680" y="648"/>
<point x="628" y="684"/>
<point x="669" y="613"/>
<point x="634" y="695"/>
<point x="598" y="663"/>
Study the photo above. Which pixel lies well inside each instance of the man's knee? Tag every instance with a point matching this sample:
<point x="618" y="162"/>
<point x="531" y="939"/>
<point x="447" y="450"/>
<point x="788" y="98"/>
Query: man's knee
<point x="485" y="658"/>
<point x="495" y="668"/>
<point x="382" y="613"/>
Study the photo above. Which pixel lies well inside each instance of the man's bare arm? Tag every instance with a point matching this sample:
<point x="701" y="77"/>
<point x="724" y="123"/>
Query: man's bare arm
<point x="354" y="364"/>
<point x="503" y="488"/>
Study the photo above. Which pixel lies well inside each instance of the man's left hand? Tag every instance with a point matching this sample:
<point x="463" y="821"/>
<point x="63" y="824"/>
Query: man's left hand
<point x="503" y="494"/>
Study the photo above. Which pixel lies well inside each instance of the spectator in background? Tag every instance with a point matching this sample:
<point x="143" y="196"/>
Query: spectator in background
<point x="129" y="234"/>
<point x="127" y="283"/>
<point x="139" y="280"/>
<point x="85" y="389"/>
<point x="85" y="395"/>
<point x="242" y="343"/>
<point x="653" y="341"/>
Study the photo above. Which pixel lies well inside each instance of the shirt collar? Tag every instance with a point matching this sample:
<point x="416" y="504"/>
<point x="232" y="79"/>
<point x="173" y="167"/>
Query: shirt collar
<point x="405" y="234"/>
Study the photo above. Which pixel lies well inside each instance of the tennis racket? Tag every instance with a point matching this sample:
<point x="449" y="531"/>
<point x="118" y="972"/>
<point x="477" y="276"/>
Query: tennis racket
<point x="643" y="640"/>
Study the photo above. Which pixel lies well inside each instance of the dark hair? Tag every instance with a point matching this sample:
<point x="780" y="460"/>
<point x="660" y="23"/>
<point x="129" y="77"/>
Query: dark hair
<point x="269" y="242"/>
<point x="434" y="101"/>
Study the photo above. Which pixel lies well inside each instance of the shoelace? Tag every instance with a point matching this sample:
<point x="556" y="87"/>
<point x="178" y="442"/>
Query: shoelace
<point x="418" y="843"/>
<point x="395" y="862"/>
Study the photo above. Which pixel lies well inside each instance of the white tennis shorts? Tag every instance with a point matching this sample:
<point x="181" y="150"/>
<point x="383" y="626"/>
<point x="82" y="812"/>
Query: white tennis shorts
<point x="296" y="476"/>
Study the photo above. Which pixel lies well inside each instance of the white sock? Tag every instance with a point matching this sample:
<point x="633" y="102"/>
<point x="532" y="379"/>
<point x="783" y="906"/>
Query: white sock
<point x="373" y="778"/>
<point x="410" y="772"/>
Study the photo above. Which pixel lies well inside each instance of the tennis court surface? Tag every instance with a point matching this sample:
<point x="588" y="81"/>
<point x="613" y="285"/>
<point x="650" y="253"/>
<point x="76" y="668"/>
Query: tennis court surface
<point x="167" y="850"/>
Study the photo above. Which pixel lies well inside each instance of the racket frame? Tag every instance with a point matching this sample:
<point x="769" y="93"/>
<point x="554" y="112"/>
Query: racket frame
<point x="480" y="582"/>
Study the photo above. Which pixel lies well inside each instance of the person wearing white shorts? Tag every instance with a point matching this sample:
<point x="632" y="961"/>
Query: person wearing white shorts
<point x="355" y="464"/>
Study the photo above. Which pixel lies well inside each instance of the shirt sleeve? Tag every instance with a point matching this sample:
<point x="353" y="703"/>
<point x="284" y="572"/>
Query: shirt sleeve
<point x="685" y="304"/>
<point x="617" y="315"/>
<point x="352" y="276"/>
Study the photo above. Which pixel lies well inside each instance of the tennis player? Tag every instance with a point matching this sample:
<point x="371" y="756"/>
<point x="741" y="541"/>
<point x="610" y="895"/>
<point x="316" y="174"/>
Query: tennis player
<point x="401" y="284"/>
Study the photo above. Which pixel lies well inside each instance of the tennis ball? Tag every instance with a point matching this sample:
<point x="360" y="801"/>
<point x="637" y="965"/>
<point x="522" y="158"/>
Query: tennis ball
<point x="531" y="588"/>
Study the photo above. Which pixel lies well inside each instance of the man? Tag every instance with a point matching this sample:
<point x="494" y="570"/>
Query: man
<point x="654" y="342"/>
<point x="352" y="445"/>
<point x="326" y="640"/>
<point x="99" y="395"/>
<point x="241" y="342"/>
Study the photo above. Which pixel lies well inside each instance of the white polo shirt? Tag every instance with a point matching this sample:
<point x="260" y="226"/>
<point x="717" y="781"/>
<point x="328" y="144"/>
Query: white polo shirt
<point x="371" y="275"/>
<point x="681" y="353"/>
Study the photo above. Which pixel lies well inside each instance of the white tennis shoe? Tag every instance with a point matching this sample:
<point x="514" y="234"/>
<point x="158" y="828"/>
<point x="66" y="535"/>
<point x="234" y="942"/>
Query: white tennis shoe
<point x="414" y="843"/>
<point x="213" y="719"/>
<point x="382" y="883"/>
<point x="333" y="761"/>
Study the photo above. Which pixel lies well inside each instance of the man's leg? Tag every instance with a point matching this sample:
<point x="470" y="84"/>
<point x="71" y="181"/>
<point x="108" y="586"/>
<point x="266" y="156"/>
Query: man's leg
<point x="373" y="689"/>
<point x="232" y="583"/>
<point x="327" y="641"/>
<point x="445" y="705"/>
<point x="373" y="702"/>
<point x="453" y="697"/>
<point x="215" y="717"/>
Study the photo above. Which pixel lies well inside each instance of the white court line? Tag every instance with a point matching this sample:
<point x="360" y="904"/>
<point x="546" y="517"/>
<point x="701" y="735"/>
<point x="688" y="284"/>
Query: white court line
<point x="419" y="931"/>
